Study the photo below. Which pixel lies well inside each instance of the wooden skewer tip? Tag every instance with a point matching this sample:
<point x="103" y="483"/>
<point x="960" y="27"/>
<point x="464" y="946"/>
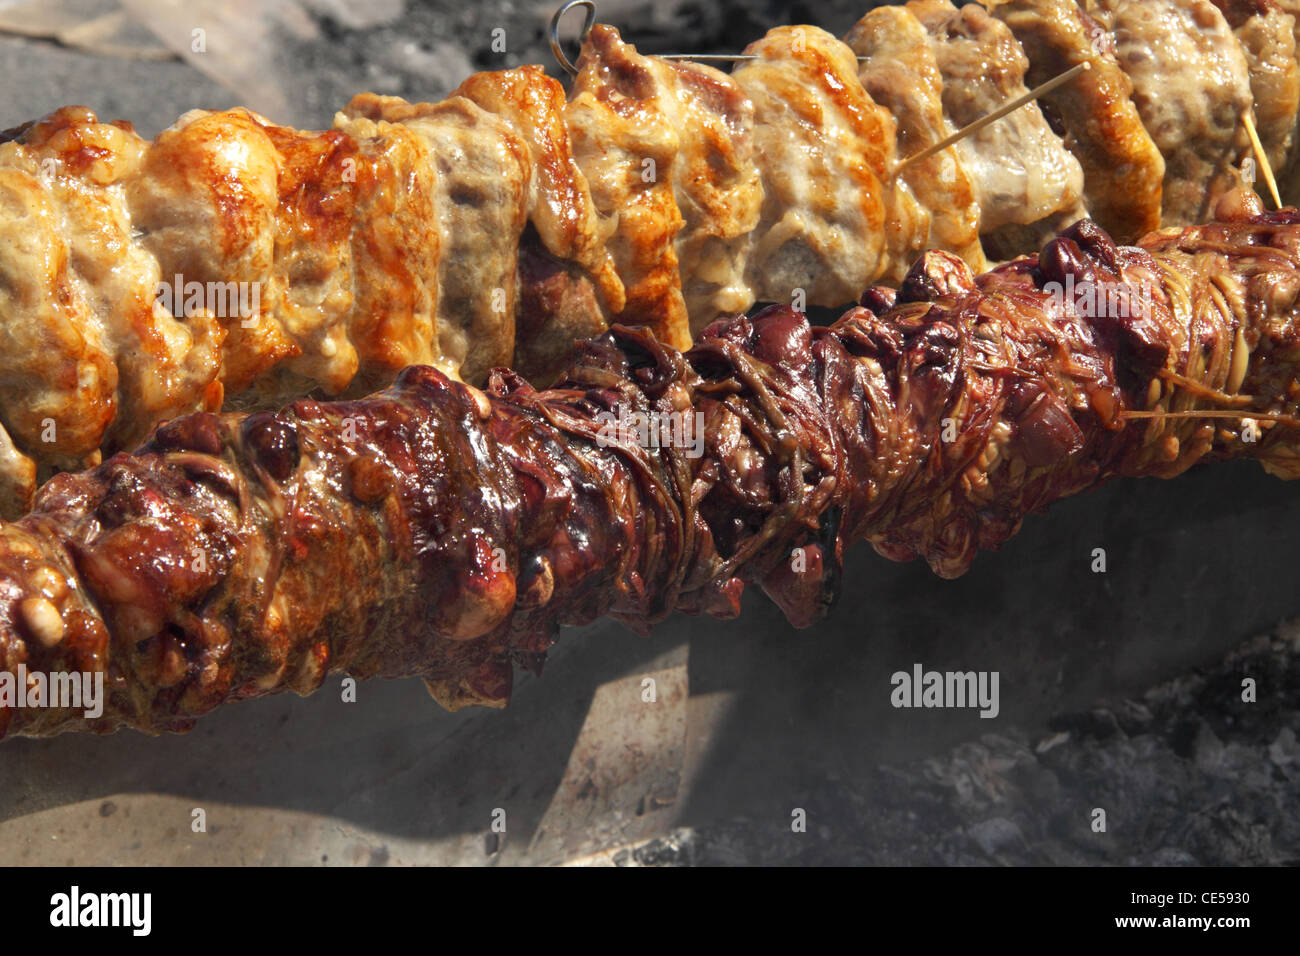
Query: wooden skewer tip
<point x="1262" y="158"/>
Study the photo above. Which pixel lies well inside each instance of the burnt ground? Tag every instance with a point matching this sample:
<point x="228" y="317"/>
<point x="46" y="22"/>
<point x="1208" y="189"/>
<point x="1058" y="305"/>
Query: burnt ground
<point x="1187" y="773"/>
<point x="1120" y="691"/>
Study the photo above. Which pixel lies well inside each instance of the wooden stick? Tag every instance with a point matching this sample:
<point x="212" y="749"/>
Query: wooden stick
<point x="1239" y="414"/>
<point x="1262" y="158"/>
<point x="996" y="115"/>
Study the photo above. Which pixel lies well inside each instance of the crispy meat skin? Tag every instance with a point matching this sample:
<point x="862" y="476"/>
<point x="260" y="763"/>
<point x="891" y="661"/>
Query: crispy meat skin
<point x="205" y="567"/>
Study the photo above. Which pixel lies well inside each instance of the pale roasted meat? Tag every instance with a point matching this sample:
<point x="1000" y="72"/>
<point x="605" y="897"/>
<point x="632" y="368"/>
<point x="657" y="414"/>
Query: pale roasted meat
<point x="208" y="206"/>
<point x="1288" y="173"/>
<point x="1122" y="168"/>
<point x="86" y="350"/>
<point x="18" y="476"/>
<point x="483" y="179"/>
<point x="560" y="208"/>
<point x="566" y="228"/>
<point x="902" y="75"/>
<point x="716" y="184"/>
<point x="1191" y="84"/>
<point x="296" y="217"/>
<point x="1266" y="33"/>
<point x="1027" y="183"/>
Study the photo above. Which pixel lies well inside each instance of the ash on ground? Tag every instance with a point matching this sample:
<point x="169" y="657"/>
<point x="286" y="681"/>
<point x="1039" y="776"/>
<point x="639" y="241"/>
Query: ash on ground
<point x="1189" y="774"/>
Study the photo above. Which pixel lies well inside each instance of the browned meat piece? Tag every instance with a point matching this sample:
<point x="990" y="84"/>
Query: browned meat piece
<point x="1122" y="168"/>
<point x="471" y="527"/>
<point x="1191" y="84"/>
<point x="626" y="147"/>
<point x="831" y="221"/>
<point x="716" y="184"/>
<point x="483" y="172"/>
<point x="557" y="305"/>
<point x="207" y="204"/>
<point x="1027" y="183"/>
<point x="560" y="208"/>
<point x="289" y="220"/>
<point x="86" y="349"/>
<point x="903" y="76"/>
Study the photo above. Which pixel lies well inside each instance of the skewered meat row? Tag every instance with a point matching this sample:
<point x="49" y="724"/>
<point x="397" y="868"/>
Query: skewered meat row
<point x="471" y="525"/>
<point x="510" y="220"/>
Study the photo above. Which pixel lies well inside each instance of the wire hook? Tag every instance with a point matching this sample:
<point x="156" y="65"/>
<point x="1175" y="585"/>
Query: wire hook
<point x="588" y="23"/>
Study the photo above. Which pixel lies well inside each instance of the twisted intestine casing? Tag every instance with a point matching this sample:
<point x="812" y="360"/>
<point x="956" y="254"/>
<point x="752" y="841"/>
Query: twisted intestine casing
<point x="470" y="525"/>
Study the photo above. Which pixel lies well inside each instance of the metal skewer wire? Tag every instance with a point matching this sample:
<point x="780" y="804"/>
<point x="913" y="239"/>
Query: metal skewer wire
<point x="589" y="21"/>
<point x="554" y="32"/>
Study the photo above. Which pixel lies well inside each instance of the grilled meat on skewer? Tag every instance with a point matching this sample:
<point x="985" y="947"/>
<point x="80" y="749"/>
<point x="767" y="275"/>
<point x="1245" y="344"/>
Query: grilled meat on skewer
<point x="832" y="221"/>
<point x="1266" y="34"/>
<point x="509" y="221"/>
<point x="1191" y="84"/>
<point x="204" y="568"/>
<point x="900" y="73"/>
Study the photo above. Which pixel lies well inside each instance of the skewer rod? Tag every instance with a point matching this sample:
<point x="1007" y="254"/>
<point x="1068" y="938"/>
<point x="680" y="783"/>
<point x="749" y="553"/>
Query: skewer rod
<point x="997" y="114"/>
<point x="1265" y="166"/>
